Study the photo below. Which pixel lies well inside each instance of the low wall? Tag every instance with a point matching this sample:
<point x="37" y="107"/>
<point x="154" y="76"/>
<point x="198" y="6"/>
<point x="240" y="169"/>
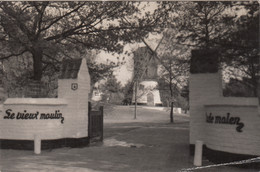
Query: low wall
<point x="22" y="118"/>
<point x="232" y="125"/>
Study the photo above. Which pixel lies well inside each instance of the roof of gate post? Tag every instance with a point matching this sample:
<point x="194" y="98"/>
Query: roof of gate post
<point x="71" y="68"/>
<point x="204" y="61"/>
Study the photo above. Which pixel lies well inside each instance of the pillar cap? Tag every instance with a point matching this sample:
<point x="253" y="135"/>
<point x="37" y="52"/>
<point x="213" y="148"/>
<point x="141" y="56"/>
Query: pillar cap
<point x="204" y="61"/>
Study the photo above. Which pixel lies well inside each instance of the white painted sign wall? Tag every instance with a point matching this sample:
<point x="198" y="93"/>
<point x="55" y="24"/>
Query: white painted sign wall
<point x="70" y="112"/>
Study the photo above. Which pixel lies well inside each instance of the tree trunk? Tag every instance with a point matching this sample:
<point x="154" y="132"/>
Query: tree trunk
<point x="254" y="82"/>
<point x="258" y="91"/>
<point x="37" y="63"/>
<point x="135" y="100"/>
<point x="171" y="114"/>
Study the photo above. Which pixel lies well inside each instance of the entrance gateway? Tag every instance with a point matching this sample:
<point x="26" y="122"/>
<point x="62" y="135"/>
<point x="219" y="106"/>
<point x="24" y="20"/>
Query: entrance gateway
<point x="228" y="125"/>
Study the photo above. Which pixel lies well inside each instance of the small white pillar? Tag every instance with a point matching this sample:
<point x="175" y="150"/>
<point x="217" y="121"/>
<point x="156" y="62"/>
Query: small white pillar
<point x="198" y="153"/>
<point x="37" y="144"/>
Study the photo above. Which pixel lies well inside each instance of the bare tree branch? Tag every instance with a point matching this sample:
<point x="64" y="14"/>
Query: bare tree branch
<point x="48" y="56"/>
<point x="61" y="17"/>
<point x="12" y="55"/>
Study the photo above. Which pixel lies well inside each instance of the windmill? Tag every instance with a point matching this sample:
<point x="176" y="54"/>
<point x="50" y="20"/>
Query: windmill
<point x="145" y="76"/>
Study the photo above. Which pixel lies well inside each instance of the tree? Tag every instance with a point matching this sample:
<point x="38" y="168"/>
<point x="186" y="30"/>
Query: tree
<point x="112" y="90"/>
<point x="202" y="24"/>
<point x="128" y="92"/>
<point x="16" y="72"/>
<point x="49" y="31"/>
<point x="219" y="25"/>
<point x="238" y="88"/>
<point x="112" y="84"/>
<point x="99" y="71"/>
<point x="14" y="75"/>
<point x="1" y="74"/>
<point x="242" y="57"/>
<point x="174" y="71"/>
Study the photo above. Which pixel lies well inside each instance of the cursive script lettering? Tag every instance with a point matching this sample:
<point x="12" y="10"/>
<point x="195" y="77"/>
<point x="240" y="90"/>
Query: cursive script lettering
<point x="9" y="114"/>
<point x="26" y="115"/>
<point x="56" y="115"/>
<point x="225" y="120"/>
<point x="30" y="116"/>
